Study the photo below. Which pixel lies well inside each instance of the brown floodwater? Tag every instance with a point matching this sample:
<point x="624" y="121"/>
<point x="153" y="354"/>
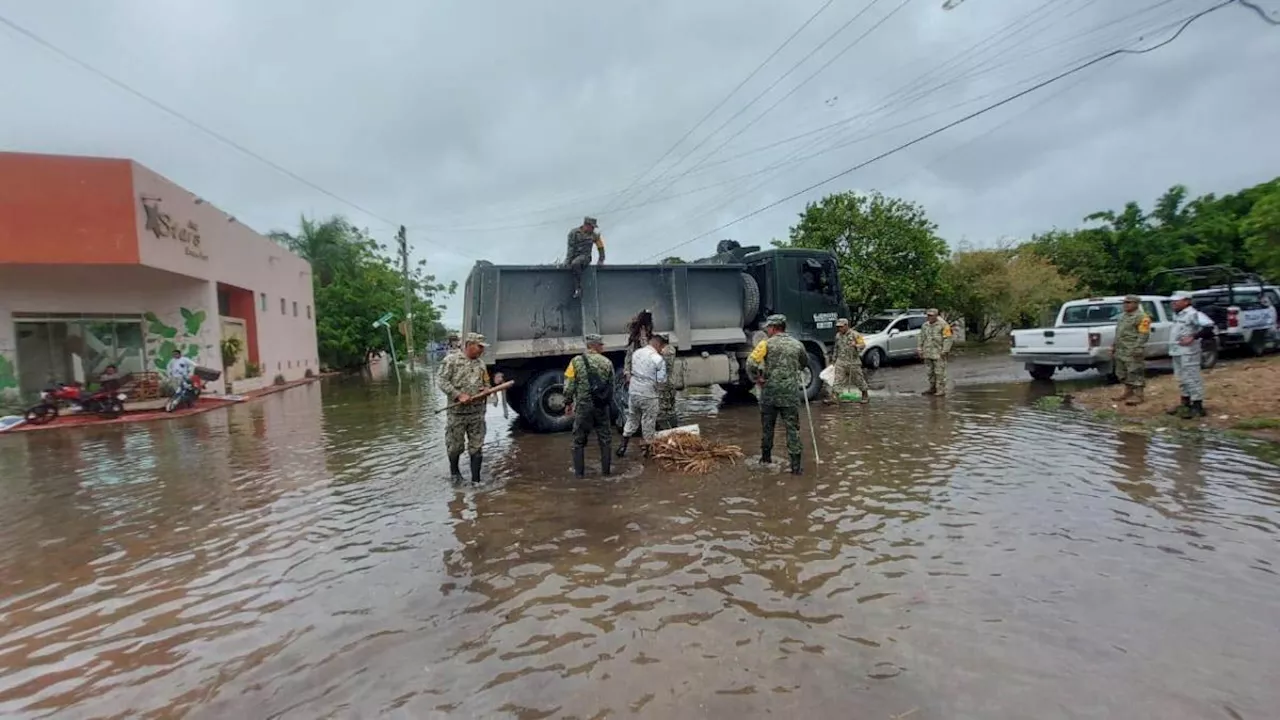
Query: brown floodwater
<point x="304" y="557"/>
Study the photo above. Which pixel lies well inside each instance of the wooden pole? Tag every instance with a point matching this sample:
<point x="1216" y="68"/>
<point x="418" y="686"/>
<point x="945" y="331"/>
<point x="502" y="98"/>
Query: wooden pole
<point x="481" y="395"/>
<point x="403" y="240"/>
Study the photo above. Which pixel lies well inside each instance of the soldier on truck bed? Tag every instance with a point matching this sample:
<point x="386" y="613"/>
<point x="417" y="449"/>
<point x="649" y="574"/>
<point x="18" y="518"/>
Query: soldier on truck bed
<point x="578" y="254"/>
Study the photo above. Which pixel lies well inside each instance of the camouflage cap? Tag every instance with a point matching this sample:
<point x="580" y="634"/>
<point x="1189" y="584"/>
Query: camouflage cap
<point x="476" y="339"/>
<point x="931" y="311"/>
<point x="1132" y="298"/>
<point x="588" y="220"/>
<point x="842" y="322"/>
<point x="776" y="320"/>
<point x="593" y="339"/>
<point x="662" y="337"/>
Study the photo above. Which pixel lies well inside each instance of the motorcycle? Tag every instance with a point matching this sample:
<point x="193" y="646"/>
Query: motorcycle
<point x="104" y="403"/>
<point x="190" y="389"/>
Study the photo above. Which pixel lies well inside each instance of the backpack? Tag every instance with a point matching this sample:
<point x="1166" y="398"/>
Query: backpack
<point x="598" y="389"/>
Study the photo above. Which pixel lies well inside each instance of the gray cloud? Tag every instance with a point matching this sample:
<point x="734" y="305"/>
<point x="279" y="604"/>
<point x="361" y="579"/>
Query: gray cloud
<point x="490" y="128"/>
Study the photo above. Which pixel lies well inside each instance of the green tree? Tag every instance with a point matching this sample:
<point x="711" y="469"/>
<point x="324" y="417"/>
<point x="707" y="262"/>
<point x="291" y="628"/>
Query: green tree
<point x="355" y="283"/>
<point x="993" y="290"/>
<point x="1261" y="230"/>
<point x="888" y="250"/>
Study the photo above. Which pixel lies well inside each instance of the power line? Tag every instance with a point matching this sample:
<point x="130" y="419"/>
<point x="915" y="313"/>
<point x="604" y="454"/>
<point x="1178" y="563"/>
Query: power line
<point x="954" y="123"/>
<point x="33" y="37"/>
<point x="722" y="103"/>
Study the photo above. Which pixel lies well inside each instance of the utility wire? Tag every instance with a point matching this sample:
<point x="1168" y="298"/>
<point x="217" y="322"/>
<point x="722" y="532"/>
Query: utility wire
<point x="954" y="123"/>
<point x="33" y="37"/>
<point x="721" y="104"/>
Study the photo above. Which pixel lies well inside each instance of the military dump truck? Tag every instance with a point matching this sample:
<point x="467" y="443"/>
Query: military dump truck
<point x="713" y="310"/>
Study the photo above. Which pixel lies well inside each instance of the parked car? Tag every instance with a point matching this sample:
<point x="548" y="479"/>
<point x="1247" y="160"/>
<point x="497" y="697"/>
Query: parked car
<point x="1246" y="316"/>
<point x="890" y="335"/>
<point x="1082" y="337"/>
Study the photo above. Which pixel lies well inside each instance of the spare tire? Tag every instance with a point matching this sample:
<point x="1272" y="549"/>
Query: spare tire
<point x="750" y="299"/>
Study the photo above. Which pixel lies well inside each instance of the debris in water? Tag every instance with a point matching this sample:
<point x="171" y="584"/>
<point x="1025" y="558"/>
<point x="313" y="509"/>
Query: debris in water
<point x="691" y="454"/>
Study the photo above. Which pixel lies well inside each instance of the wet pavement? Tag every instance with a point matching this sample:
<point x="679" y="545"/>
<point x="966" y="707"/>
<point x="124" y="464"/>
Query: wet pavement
<point x="303" y="557"/>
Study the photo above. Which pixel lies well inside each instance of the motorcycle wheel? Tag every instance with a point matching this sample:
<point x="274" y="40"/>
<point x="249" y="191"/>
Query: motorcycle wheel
<point x="41" y="414"/>
<point x="172" y="404"/>
<point x="111" y="409"/>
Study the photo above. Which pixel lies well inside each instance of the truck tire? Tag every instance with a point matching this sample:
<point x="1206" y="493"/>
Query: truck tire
<point x="1042" y="372"/>
<point x="815" y="383"/>
<point x="543" y="403"/>
<point x="750" y="299"/>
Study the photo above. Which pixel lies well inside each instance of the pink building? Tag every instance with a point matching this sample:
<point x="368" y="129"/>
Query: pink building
<point x="103" y="261"/>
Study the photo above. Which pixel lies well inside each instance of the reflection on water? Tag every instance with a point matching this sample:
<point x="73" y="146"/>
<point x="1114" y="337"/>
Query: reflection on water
<point x="304" y="557"/>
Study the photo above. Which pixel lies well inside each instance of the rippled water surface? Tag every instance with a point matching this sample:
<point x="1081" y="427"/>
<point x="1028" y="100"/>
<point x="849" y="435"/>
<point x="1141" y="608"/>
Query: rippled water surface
<point x="303" y="557"/>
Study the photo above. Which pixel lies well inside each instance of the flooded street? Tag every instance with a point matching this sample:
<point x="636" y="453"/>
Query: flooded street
<point x="305" y="557"/>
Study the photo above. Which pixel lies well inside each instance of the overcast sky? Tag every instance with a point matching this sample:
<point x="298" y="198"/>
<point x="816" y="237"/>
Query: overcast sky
<point x="490" y="128"/>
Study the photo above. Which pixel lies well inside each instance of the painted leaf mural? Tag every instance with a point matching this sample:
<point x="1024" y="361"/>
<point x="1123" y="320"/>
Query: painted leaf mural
<point x="193" y="351"/>
<point x="8" y="378"/>
<point x="163" y="339"/>
<point x="193" y="319"/>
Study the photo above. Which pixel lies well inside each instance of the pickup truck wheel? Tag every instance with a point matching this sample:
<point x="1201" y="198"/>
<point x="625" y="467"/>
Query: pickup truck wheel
<point x="1258" y="343"/>
<point x="813" y="383"/>
<point x="1042" y="372"/>
<point x="1208" y="354"/>
<point x="873" y="358"/>
<point x="544" y="401"/>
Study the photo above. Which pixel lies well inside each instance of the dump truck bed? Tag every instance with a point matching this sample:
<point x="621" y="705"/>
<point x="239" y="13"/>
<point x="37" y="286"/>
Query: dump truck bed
<point x="527" y="311"/>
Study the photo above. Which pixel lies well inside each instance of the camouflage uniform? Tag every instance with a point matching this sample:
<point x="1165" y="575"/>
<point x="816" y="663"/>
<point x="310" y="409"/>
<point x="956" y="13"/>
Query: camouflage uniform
<point x="667" y="417"/>
<point x="464" y="426"/>
<point x="934" y="344"/>
<point x="1188" y="323"/>
<point x="1129" y="354"/>
<point x="578" y="251"/>
<point x="848" y="362"/>
<point x="776" y="365"/>
<point x="587" y="417"/>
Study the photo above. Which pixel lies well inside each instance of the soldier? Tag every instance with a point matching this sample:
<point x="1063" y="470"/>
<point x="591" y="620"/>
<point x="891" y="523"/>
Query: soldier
<point x="461" y="376"/>
<point x="848" y="362"/>
<point x="588" y="384"/>
<point x="1129" y="352"/>
<point x="667" y="417"/>
<point x="776" y="365"/>
<point x="933" y="344"/>
<point x="1189" y="328"/>
<point x="578" y="253"/>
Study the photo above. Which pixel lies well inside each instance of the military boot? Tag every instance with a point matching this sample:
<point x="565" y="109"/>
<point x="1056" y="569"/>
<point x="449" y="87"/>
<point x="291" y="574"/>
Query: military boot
<point x="796" y="468"/>
<point x="1197" y="409"/>
<point x="579" y="461"/>
<point x="1128" y="393"/>
<point x="1177" y="409"/>
<point x="606" y="462"/>
<point x="1135" y="396"/>
<point x="766" y="457"/>
<point x="476" y="461"/>
<point x="455" y="474"/>
<point x="622" y="449"/>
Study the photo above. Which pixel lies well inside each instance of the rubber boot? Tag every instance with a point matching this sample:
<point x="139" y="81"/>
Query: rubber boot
<point x="1128" y="393"/>
<point x="646" y="452"/>
<point x="579" y="461"/>
<point x="476" y="461"/>
<point x="1197" y="409"/>
<point x="455" y="474"/>
<point x="622" y="449"/>
<point x="606" y="462"/>
<point x="796" y="468"/>
<point x="766" y="457"/>
<point x="1177" y="409"/>
<point x="1135" y="396"/>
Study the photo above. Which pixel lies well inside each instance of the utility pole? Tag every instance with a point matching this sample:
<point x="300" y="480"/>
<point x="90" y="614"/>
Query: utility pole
<point x="408" y="295"/>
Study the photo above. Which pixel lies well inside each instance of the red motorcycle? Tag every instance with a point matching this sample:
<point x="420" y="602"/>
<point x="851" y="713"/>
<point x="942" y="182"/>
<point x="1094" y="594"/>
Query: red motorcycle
<point x="104" y="403"/>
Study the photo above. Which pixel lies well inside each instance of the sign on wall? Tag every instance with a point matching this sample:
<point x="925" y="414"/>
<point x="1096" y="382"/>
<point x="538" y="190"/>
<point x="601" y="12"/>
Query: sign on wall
<point x="163" y="226"/>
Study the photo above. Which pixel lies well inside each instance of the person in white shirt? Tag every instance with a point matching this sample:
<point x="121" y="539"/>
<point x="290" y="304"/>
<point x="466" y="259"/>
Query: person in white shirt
<point x="648" y="372"/>
<point x="1190" y="326"/>
<point x="180" y="368"/>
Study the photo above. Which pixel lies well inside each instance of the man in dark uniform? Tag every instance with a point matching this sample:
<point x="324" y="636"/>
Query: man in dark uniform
<point x="590" y="411"/>
<point x="578" y="253"/>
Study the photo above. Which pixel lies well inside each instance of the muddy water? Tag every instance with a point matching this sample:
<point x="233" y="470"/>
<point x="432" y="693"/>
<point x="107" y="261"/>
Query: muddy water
<point x="303" y="558"/>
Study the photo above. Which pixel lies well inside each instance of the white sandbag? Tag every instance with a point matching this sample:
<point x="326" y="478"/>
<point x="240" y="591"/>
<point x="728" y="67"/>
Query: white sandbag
<point x="828" y="375"/>
<point x="691" y="429"/>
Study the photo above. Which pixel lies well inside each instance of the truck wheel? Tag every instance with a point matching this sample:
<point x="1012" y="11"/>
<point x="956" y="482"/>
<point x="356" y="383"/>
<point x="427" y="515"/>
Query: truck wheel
<point x="750" y="299"/>
<point x="873" y="358"/>
<point x="814" y="386"/>
<point x="544" y="401"/>
<point x="1258" y="343"/>
<point x="1208" y="354"/>
<point x="1042" y="372"/>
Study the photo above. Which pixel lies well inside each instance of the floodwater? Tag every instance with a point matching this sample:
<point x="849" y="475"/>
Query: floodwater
<point x="304" y="557"/>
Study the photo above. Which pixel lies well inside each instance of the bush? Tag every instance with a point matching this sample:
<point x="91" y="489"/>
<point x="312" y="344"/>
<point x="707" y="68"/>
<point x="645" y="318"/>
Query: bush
<point x="309" y="373"/>
<point x="252" y="370"/>
<point x="279" y="380"/>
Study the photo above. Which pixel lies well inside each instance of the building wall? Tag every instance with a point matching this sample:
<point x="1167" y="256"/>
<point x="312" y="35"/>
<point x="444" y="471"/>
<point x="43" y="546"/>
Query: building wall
<point x="179" y="312"/>
<point x="66" y="210"/>
<point x="219" y="248"/>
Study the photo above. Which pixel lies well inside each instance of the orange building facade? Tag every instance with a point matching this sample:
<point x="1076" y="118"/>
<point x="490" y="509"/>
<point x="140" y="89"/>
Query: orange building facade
<point x="103" y="261"/>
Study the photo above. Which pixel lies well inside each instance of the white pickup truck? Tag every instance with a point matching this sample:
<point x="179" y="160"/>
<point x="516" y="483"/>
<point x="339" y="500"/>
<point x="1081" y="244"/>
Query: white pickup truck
<point x="1082" y="337"/>
<point x="1246" y="315"/>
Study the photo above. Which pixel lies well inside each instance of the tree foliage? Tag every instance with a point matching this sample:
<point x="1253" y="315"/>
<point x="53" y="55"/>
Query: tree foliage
<point x="356" y="282"/>
<point x="888" y="250"/>
<point x="995" y="289"/>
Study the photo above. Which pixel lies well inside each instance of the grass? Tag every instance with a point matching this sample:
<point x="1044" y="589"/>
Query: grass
<point x="1258" y="424"/>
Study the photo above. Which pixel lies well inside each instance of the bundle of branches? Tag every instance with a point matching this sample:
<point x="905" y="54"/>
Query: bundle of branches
<point x="692" y="454"/>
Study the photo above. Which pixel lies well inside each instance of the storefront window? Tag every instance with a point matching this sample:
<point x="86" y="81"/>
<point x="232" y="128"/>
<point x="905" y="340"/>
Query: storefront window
<point x="76" y="348"/>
